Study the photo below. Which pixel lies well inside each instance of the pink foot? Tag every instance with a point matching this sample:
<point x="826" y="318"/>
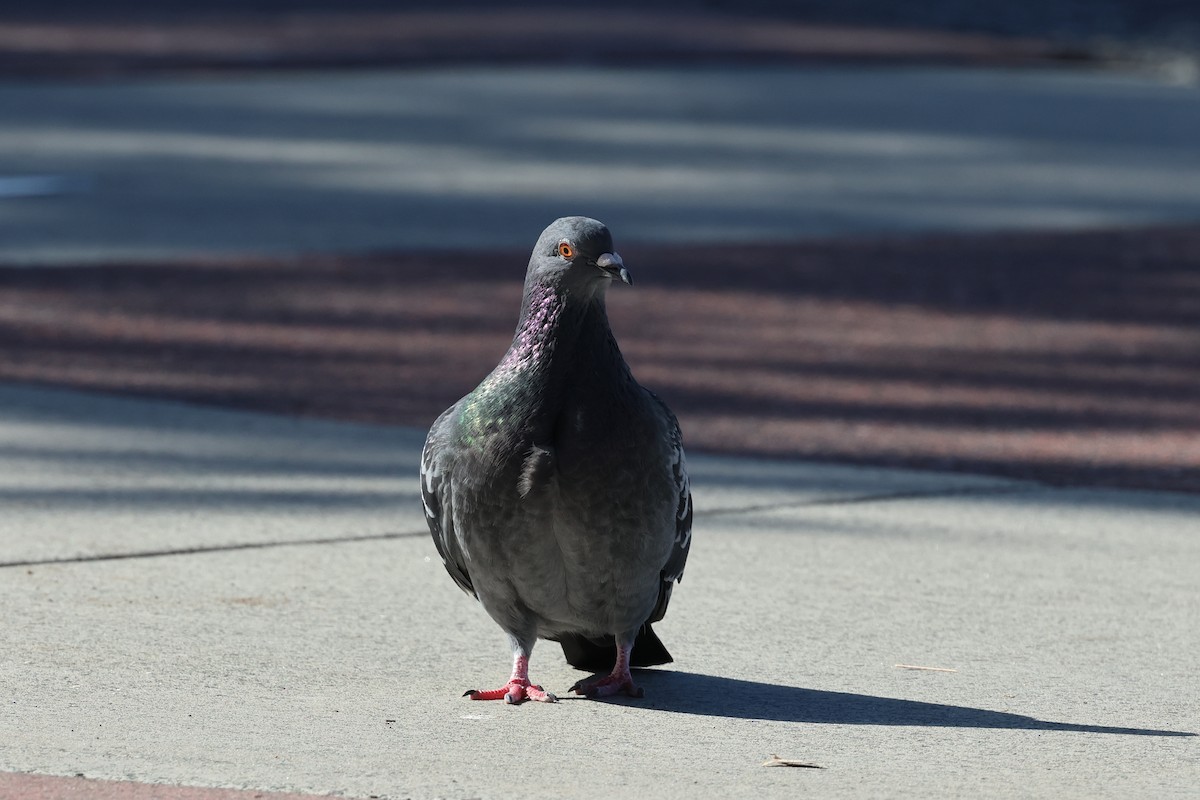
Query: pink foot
<point x="619" y="680"/>
<point x="608" y="686"/>
<point x="518" y="689"/>
<point x="515" y="691"/>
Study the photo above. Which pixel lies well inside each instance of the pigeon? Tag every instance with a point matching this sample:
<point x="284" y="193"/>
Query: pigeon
<point x="557" y="491"/>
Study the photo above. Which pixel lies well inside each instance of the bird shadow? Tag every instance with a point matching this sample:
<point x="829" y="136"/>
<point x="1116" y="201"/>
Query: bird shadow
<point x="714" y="696"/>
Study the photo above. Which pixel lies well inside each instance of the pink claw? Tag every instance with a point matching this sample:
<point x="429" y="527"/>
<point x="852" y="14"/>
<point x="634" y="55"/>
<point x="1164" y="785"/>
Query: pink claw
<point x="517" y="690"/>
<point x="619" y="680"/>
<point x="610" y="685"/>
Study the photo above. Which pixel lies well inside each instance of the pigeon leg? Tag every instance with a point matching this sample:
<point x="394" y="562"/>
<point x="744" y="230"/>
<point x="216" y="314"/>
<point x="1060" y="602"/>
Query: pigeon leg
<point x="617" y="681"/>
<point x="518" y="688"/>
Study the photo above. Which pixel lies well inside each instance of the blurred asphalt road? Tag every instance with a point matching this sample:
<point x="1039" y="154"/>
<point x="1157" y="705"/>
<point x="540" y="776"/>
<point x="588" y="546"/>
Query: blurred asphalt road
<point x="476" y="158"/>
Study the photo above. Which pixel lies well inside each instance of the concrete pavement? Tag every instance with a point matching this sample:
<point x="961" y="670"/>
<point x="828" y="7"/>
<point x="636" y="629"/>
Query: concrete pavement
<point x="212" y="598"/>
<point x="478" y="157"/>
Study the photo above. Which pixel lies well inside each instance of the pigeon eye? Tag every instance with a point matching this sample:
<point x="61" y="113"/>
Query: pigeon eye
<point x="566" y="251"/>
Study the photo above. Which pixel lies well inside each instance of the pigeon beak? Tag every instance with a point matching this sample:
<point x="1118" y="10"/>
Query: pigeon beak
<point x="612" y="264"/>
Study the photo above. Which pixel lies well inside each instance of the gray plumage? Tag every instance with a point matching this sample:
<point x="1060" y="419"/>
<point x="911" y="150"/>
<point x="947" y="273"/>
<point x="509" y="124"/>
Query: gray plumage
<point x="557" y="492"/>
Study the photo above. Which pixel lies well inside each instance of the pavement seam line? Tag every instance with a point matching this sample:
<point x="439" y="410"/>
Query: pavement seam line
<point x="224" y="548"/>
<point x="187" y="551"/>
<point x="912" y="494"/>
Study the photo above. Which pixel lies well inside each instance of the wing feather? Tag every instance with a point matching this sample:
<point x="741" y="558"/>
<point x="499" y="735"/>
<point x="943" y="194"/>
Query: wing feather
<point x="672" y="572"/>
<point x="437" y="490"/>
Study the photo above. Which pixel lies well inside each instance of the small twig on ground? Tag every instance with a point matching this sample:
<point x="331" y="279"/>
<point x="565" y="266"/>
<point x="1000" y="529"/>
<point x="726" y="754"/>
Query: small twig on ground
<point x="927" y="669"/>
<point x="776" y="761"/>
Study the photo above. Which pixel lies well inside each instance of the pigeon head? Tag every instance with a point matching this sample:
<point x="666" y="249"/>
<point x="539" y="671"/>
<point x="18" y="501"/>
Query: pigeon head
<point x="577" y="252"/>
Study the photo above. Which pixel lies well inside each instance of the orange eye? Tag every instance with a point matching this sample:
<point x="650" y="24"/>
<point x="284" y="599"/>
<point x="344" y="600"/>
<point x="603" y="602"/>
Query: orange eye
<point x="566" y="251"/>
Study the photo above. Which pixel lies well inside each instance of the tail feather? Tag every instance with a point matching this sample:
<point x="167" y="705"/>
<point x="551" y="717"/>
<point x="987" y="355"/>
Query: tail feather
<point x="600" y="654"/>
